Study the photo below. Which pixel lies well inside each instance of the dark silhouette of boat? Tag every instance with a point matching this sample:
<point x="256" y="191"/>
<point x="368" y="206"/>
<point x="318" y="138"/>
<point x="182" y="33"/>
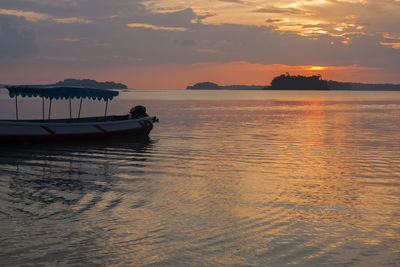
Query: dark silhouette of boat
<point x="137" y="122"/>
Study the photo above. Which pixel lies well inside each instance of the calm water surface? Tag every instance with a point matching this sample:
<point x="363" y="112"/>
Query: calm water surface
<point x="242" y="178"/>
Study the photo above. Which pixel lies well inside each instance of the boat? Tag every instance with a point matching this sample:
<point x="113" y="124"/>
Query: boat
<point x="136" y="122"/>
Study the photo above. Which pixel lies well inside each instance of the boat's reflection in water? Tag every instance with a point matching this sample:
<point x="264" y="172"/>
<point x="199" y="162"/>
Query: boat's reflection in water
<point x="63" y="180"/>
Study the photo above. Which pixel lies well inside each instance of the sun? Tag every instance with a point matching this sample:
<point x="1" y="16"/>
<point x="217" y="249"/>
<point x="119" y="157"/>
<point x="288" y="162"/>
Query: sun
<point x="315" y="68"/>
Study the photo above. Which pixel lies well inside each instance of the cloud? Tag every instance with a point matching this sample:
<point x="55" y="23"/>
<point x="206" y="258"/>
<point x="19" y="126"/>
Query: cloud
<point x="69" y="39"/>
<point x="353" y="17"/>
<point x="275" y="20"/>
<point x="205" y="50"/>
<point x="34" y="16"/>
<point x="155" y="27"/>
<point x="17" y="39"/>
<point x="389" y="36"/>
<point x="182" y="18"/>
<point x="72" y="20"/>
<point x="392" y="45"/>
<point x="28" y="15"/>
<point x="390" y="40"/>
<point x="188" y="43"/>
<point x="234" y="1"/>
<point x="77" y="8"/>
<point x="272" y="9"/>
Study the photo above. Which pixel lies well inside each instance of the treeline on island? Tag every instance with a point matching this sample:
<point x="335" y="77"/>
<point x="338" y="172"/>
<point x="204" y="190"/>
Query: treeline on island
<point x="87" y="83"/>
<point x="300" y="82"/>
<point x="91" y="83"/>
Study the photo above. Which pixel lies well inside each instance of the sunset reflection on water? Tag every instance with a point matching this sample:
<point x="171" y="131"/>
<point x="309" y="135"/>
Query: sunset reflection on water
<point x="270" y="181"/>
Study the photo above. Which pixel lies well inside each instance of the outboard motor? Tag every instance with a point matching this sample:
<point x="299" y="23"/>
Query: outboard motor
<point x="138" y="112"/>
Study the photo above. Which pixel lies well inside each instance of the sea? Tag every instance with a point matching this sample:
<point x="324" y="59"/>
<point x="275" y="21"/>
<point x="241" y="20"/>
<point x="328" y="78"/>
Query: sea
<point x="226" y="178"/>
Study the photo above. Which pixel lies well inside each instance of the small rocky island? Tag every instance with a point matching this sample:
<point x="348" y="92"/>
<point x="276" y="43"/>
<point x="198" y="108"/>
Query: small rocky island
<point x="204" y="85"/>
<point x="91" y="83"/>
<point x="214" y="86"/>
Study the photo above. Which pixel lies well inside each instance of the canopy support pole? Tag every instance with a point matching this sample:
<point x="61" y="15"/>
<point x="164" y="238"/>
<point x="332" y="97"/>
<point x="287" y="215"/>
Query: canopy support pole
<point x="70" y="111"/>
<point x="42" y="108"/>
<point x="80" y="107"/>
<point x="105" y="113"/>
<point x="49" y="108"/>
<point x="16" y="106"/>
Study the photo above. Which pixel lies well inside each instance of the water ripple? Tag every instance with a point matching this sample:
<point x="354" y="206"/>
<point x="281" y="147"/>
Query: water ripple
<point x="243" y="183"/>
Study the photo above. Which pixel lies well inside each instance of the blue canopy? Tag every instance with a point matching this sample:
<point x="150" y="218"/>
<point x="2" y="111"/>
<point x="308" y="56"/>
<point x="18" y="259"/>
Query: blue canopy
<point x="61" y="92"/>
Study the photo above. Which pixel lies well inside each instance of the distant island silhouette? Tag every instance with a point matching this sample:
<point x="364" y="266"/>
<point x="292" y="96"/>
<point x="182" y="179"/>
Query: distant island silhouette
<point x="91" y="83"/>
<point x="214" y="86"/>
<point x="87" y="83"/>
<point x="300" y="82"/>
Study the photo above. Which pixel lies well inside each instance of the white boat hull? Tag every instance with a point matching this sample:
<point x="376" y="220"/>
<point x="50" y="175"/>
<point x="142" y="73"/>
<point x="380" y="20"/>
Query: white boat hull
<point x="36" y="130"/>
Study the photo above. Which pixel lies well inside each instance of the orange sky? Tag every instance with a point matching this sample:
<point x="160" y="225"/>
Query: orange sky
<point x="176" y="76"/>
<point x="179" y="76"/>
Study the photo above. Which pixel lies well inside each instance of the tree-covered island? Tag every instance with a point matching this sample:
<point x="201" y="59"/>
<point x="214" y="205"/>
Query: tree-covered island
<point x="91" y="83"/>
<point x="298" y="82"/>
<point x="87" y="83"/>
